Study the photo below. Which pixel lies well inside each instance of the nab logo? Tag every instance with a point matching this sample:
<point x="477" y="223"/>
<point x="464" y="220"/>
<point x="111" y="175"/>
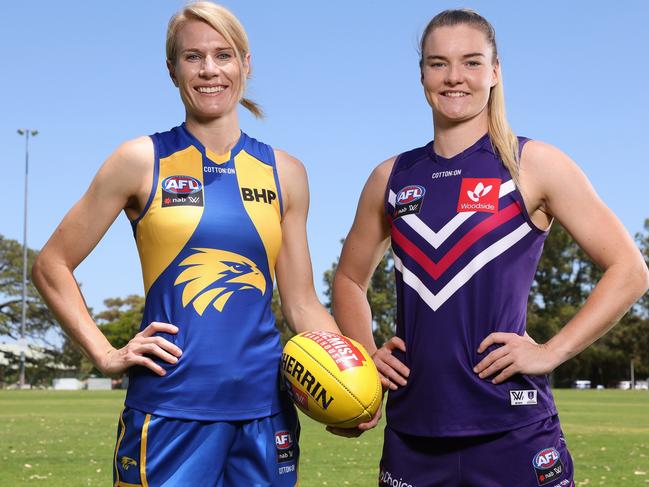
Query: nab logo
<point x="253" y="194"/>
<point x="283" y="440"/>
<point x="410" y="194"/>
<point x="546" y="459"/>
<point x="183" y="185"/>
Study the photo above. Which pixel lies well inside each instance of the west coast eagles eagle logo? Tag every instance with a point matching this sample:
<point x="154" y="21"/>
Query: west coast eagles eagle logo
<point x="127" y="462"/>
<point x="213" y="275"/>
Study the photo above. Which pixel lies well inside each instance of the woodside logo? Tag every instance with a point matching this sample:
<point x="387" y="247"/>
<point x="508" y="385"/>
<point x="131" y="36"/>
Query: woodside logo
<point x="479" y="194"/>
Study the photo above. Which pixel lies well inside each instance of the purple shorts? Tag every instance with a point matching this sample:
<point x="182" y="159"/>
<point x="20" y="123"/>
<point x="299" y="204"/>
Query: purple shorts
<point x="532" y="456"/>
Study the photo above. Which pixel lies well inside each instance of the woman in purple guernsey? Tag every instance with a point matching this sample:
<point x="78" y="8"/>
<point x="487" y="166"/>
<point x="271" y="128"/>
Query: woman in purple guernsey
<point x="466" y="216"/>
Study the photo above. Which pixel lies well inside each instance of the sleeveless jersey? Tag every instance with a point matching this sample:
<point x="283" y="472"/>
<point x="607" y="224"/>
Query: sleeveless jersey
<point x="208" y="239"/>
<point x="465" y="253"/>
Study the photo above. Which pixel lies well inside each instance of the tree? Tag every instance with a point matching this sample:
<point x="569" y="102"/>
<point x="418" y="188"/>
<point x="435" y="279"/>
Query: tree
<point x="41" y="330"/>
<point x="121" y="319"/>
<point x="40" y="323"/>
<point x="642" y="239"/>
<point x="119" y="322"/>
<point x="563" y="281"/>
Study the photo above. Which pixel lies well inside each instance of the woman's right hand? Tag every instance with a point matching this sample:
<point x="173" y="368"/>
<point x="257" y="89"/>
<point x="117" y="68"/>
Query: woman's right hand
<point x="140" y="349"/>
<point x="392" y="371"/>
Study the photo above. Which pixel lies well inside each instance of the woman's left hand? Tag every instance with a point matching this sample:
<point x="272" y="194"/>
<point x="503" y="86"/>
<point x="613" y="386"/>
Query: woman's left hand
<point x="358" y="430"/>
<point x="516" y="355"/>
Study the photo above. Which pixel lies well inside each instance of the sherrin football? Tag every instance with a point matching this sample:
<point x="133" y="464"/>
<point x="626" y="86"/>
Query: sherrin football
<point x="331" y="378"/>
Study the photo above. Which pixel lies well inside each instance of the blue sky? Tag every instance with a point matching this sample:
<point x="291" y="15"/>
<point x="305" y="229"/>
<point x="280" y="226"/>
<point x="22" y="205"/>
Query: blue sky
<point x="340" y="85"/>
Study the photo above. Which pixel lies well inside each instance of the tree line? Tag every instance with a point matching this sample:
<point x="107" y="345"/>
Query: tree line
<point x="563" y="281"/>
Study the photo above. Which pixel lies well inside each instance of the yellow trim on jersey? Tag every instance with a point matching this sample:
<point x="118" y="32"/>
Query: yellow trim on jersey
<point x="143" y="439"/>
<point x="163" y="232"/>
<point x="126" y="484"/>
<point x="217" y="158"/>
<point x="254" y="174"/>
<point x="119" y="441"/>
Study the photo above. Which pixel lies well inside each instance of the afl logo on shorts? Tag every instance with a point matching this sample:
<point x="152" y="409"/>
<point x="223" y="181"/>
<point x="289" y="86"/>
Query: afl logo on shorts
<point x="181" y="191"/>
<point x="546" y="458"/>
<point x="409" y="200"/>
<point x="548" y="467"/>
<point x="285" y="450"/>
<point x="283" y="440"/>
<point x="183" y="185"/>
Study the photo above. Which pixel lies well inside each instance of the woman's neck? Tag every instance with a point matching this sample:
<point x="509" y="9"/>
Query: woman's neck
<point x="452" y="138"/>
<point x="219" y="135"/>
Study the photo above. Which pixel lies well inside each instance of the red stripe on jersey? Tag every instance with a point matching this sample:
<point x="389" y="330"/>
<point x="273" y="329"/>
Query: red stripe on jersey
<point x="437" y="269"/>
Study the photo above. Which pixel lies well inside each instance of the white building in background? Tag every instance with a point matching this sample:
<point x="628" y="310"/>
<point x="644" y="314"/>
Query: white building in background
<point x="642" y="385"/>
<point x="581" y="384"/>
<point x="10" y="352"/>
<point x="99" y="384"/>
<point x="67" y="384"/>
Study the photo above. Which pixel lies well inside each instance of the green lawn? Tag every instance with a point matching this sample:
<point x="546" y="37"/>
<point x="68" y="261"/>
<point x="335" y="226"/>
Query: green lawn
<point x="67" y="438"/>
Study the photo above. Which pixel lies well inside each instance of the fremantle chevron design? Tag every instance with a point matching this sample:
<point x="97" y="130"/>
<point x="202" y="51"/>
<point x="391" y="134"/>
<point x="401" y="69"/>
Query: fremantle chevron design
<point x="436" y="269"/>
<point x="436" y="239"/>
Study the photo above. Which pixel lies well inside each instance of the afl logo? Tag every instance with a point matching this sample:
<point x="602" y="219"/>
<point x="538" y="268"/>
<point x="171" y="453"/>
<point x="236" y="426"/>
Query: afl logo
<point x="283" y="440"/>
<point x="409" y="194"/>
<point x="546" y="458"/>
<point x="182" y="185"/>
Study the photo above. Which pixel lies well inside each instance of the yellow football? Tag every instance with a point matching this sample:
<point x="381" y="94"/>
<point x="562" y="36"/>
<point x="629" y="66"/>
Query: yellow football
<point x="331" y="378"/>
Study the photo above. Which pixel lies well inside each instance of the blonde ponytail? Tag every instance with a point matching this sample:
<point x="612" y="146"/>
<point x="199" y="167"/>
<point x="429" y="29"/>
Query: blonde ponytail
<point x="503" y="138"/>
<point x="252" y="107"/>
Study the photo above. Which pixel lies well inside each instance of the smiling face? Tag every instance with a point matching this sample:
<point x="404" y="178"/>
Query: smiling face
<point x="207" y="71"/>
<point x="458" y="71"/>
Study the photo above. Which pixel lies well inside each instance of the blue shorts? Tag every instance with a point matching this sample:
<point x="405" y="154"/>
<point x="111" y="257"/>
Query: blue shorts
<point x="156" y="451"/>
<point x="532" y="456"/>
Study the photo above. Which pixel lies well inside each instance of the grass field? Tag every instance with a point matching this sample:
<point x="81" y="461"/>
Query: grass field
<point x="66" y="439"/>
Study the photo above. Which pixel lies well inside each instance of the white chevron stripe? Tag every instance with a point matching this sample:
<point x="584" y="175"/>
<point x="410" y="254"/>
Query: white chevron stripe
<point x="477" y="263"/>
<point x="438" y="238"/>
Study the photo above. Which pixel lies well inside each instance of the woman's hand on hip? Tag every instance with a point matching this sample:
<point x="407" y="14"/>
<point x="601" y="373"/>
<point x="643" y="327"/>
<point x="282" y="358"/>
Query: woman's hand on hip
<point x="140" y="349"/>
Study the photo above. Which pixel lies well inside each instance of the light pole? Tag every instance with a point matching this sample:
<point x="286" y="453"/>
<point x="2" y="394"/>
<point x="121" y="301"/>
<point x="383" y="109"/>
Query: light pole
<point x="21" y="380"/>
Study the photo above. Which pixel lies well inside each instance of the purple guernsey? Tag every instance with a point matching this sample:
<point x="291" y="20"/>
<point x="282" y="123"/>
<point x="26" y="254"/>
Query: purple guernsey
<point x="465" y="253"/>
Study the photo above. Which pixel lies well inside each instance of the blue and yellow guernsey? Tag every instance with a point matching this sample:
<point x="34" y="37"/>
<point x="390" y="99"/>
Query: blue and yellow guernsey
<point x="208" y="239"/>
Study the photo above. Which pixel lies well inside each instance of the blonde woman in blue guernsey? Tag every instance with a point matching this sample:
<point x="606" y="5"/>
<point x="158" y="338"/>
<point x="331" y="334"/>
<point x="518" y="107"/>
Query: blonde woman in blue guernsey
<point x="217" y="217"/>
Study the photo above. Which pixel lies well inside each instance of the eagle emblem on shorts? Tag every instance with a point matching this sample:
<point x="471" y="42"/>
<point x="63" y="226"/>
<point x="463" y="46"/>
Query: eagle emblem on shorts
<point x="212" y="276"/>
<point x="127" y="462"/>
